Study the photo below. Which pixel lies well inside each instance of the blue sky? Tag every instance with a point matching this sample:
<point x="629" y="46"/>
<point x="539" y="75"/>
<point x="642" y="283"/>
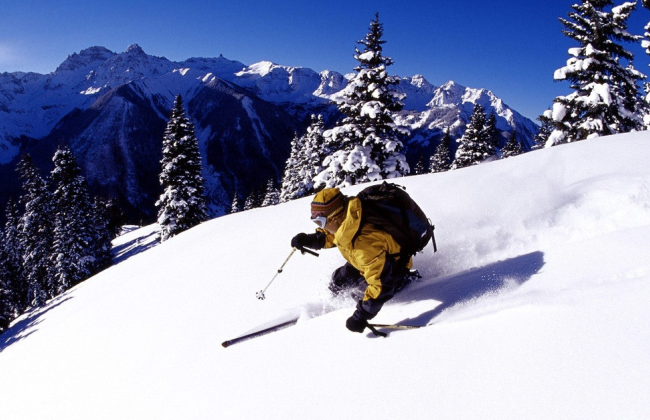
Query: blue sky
<point x="511" y="47"/>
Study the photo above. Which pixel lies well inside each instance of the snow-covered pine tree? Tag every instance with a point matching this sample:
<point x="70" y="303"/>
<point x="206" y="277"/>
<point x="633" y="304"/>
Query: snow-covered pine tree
<point x="249" y="203"/>
<point x="116" y="218"/>
<point x="73" y="248"/>
<point x="440" y="161"/>
<point x="476" y="145"/>
<point x="491" y="131"/>
<point x="645" y="43"/>
<point x="366" y="145"/>
<point x="546" y="128"/>
<point x="304" y="163"/>
<point x="291" y="184"/>
<point x="419" y="166"/>
<point x="512" y="146"/>
<point x="254" y="199"/>
<point x="182" y="204"/>
<point x="606" y="96"/>
<point x="235" y="207"/>
<point x="6" y="304"/>
<point x="11" y="266"/>
<point x="103" y="235"/>
<point x="37" y="231"/>
<point x="271" y="194"/>
<point x="315" y="151"/>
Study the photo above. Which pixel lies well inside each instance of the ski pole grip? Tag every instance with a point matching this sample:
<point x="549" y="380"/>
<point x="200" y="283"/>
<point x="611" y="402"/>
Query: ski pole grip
<point x="308" y="251"/>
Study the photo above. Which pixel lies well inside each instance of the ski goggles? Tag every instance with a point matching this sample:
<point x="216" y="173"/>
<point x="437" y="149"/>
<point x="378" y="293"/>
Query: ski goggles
<point x="321" y="221"/>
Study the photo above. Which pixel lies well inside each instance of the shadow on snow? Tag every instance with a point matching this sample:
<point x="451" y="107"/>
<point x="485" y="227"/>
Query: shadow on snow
<point x="26" y="326"/>
<point x="136" y="246"/>
<point x="472" y="284"/>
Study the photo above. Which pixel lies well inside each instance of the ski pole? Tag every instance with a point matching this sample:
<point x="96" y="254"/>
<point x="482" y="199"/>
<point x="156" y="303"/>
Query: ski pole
<point x="375" y="332"/>
<point x="373" y="328"/>
<point x="395" y="326"/>
<point x="260" y="295"/>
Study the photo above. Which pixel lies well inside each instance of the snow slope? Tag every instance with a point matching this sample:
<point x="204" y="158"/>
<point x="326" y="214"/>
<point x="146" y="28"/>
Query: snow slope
<point x="537" y="306"/>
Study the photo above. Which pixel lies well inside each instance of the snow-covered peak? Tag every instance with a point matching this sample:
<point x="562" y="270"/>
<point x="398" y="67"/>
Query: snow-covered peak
<point x="219" y="66"/>
<point x="453" y="94"/>
<point x="276" y="83"/>
<point x="85" y="58"/>
<point x="419" y="81"/>
<point x="451" y="104"/>
<point x="260" y="69"/>
<point x="135" y="49"/>
<point x="133" y="64"/>
<point x="450" y="93"/>
<point x="331" y="83"/>
<point x="418" y="92"/>
<point x="268" y="70"/>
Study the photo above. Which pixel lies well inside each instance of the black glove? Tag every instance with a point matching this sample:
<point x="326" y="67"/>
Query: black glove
<point x="359" y="320"/>
<point x="355" y="324"/>
<point x="311" y="240"/>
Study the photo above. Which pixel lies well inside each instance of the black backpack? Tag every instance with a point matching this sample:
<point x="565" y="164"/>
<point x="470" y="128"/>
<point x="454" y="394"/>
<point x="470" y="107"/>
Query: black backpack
<point x="389" y="208"/>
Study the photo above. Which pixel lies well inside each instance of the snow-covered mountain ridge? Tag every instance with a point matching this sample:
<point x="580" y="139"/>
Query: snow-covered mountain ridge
<point x="83" y="76"/>
<point x="111" y="108"/>
<point x="536" y="306"/>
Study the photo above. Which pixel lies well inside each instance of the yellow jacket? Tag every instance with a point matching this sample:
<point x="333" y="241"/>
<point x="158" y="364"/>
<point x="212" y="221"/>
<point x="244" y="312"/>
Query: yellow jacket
<point x="368" y="252"/>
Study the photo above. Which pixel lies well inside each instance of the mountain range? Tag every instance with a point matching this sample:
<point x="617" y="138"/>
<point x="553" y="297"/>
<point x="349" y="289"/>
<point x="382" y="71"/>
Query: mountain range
<point x="112" y="109"/>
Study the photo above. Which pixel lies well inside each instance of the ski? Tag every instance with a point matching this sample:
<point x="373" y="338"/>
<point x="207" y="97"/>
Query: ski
<point x="260" y="333"/>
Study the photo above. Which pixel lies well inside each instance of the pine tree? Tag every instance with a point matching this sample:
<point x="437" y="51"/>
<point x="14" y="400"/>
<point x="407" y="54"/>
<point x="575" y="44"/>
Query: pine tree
<point x="235" y="207"/>
<point x="440" y="161"/>
<point x="646" y="86"/>
<point x="512" y="146"/>
<point x="6" y="297"/>
<point x="249" y="203"/>
<point x="73" y="253"/>
<point x="116" y="218"/>
<point x="11" y="266"/>
<point x="254" y="199"/>
<point x="606" y="98"/>
<point x="291" y="183"/>
<point x="366" y="145"/>
<point x="37" y="231"/>
<point x="419" y="166"/>
<point x="304" y="162"/>
<point x="103" y="235"/>
<point x="315" y="151"/>
<point x="182" y="204"/>
<point x="492" y="133"/>
<point x="271" y="195"/>
<point x="545" y="130"/>
<point x="476" y="145"/>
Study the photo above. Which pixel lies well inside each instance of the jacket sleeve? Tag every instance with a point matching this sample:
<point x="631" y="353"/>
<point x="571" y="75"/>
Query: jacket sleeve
<point x="372" y="252"/>
<point x="377" y="255"/>
<point x="329" y="238"/>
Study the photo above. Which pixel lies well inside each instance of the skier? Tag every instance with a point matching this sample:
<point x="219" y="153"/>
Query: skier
<point x="373" y="261"/>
